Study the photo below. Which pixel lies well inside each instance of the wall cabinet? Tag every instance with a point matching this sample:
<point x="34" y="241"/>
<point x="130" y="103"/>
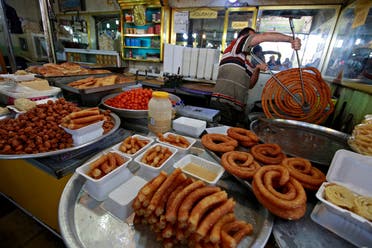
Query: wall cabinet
<point x="143" y="40"/>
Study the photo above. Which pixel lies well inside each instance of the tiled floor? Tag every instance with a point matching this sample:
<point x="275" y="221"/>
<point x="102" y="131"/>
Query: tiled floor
<point x="19" y="230"/>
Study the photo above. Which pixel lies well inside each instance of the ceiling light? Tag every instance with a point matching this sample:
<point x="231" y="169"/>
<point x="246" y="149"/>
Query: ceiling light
<point x="233" y="1"/>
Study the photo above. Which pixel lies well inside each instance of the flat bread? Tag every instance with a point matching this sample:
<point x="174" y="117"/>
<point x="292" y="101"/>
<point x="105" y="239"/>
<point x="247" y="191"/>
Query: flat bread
<point x="105" y="81"/>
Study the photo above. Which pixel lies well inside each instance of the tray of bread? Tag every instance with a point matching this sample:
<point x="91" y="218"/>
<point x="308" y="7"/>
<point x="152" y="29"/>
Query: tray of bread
<point x="166" y="204"/>
<point x="37" y="131"/>
<point x="95" y="84"/>
<point x="51" y="70"/>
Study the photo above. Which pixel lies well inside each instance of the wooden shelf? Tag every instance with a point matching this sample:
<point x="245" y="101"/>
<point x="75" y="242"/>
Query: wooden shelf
<point x="142" y="60"/>
<point x="141" y="35"/>
<point x="140" y="47"/>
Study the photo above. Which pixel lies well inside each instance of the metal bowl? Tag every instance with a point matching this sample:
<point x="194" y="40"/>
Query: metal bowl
<point x="132" y="113"/>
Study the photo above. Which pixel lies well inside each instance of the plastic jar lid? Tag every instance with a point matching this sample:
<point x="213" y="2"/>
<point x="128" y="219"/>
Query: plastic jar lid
<point x="160" y="94"/>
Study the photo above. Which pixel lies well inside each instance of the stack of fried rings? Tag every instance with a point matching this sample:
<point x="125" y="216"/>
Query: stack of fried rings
<point x="240" y="164"/>
<point x="277" y="103"/>
<point x="301" y="169"/>
<point x="268" y="154"/>
<point x="219" y="142"/>
<point x="245" y="137"/>
<point x="280" y="193"/>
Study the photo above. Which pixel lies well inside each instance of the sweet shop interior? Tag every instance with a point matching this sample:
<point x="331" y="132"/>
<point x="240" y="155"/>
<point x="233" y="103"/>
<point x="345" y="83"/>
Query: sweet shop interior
<point x="174" y="123"/>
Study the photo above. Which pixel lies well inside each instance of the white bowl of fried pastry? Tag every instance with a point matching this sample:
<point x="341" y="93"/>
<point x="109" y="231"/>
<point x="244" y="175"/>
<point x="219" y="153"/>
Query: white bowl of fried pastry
<point x="347" y="191"/>
<point x="181" y="142"/>
<point x="156" y="157"/>
<point x="104" y="172"/>
<point x="133" y="145"/>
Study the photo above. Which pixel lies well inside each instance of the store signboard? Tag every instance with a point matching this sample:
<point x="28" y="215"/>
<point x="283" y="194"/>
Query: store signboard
<point x="181" y="20"/>
<point x="239" y="25"/>
<point x="203" y="14"/>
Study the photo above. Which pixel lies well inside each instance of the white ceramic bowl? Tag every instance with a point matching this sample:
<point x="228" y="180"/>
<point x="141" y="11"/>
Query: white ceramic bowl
<point x="151" y="170"/>
<point x="180" y="149"/>
<point x="151" y="140"/>
<point x="100" y="188"/>
<point x="205" y="166"/>
<point x="119" y="201"/>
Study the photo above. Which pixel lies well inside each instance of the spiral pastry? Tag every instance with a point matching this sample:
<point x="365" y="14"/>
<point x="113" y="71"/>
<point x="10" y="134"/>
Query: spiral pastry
<point x="278" y="103"/>
<point x="281" y="194"/>
<point x="363" y="207"/>
<point x="245" y="137"/>
<point x="240" y="164"/>
<point x="268" y="153"/>
<point x="339" y="195"/>
<point x="218" y="142"/>
<point x="310" y="177"/>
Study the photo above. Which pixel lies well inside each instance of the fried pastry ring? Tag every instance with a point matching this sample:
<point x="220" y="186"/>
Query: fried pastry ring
<point x="219" y="142"/>
<point x="268" y="154"/>
<point x="240" y="164"/>
<point x="310" y="177"/>
<point x="281" y="194"/>
<point x="243" y="136"/>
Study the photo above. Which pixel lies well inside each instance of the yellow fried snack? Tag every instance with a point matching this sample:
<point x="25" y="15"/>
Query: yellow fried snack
<point x="339" y="196"/>
<point x="363" y="206"/>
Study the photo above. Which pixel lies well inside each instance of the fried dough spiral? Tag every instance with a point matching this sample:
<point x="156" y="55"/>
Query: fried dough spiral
<point x="219" y="142"/>
<point x="281" y="194"/>
<point x="277" y="103"/>
<point x="268" y="153"/>
<point x="243" y="136"/>
<point x="240" y="164"/>
<point x="310" y="177"/>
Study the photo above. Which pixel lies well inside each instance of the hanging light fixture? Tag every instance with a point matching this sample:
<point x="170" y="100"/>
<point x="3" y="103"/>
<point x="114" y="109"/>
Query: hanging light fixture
<point x="233" y="1"/>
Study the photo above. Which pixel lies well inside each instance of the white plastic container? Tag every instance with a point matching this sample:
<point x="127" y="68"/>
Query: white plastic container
<point x="148" y="170"/>
<point x="204" y="164"/>
<point x="354" y="171"/>
<point x="159" y="112"/>
<point x="86" y="134"/>
<point x="189" y="126"/>
<point x="100" y="188"/>
<point x="180" y="149"/>
<point x="119" y="201"/>
<point x="151" y="140"/>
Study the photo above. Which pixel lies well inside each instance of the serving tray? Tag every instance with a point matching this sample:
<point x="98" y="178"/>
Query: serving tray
<point x="116" y="120"/>
<point x="84" y="223"/>
<point x="301" y="139"/>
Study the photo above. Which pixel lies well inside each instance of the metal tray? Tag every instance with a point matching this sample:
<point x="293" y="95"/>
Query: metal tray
<point x="84" y="223"/>
<point x="130" y="113"/>
<point x="301" y="139"/>
<point x="57" y="152"/>
<point x="108" y="88"/>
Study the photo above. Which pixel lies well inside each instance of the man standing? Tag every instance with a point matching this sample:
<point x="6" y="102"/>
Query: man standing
<point x="236" y="74"/>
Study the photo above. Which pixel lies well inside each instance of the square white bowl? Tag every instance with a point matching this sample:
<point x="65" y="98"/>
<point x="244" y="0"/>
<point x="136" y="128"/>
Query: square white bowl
<point x="100" y="188"/>
<point x="85" y="134"/>
<point x="151" y="140"/>
<point x="148" y="169"/>
<point x="353" y="171"/>
<point x="180" y="149"/>
<point x="189" y="126"/>
<point x="119" y="201"/>
<point x="204" y="164"/>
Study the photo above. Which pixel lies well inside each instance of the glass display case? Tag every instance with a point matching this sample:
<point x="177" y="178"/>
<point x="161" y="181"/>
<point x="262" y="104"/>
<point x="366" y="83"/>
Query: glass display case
<point x="350" y="54"/>
<point x="235" y="20"/>
<point x="314" y="25"/>
<point x="199" y="27"/>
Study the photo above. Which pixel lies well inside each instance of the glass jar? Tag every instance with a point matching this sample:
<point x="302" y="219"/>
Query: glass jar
<point x="159" y="112"/>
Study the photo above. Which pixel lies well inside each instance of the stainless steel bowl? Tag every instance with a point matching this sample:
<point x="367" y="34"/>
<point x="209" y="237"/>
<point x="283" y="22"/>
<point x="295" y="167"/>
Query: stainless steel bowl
<point x="131" y="113"/>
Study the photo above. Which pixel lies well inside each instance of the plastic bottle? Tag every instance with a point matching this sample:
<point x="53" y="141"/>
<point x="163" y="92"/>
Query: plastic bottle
<point x="159" y="112"/>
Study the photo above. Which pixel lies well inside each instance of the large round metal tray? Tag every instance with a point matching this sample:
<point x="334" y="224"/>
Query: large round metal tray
<point x="301" y="139"/>
<point x="130" y="113"/>
<point x="84" y="223"/>
<point x="61" y="151"/>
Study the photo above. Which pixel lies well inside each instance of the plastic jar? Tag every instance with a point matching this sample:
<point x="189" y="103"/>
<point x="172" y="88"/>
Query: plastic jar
<point x="159" y="112"/>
